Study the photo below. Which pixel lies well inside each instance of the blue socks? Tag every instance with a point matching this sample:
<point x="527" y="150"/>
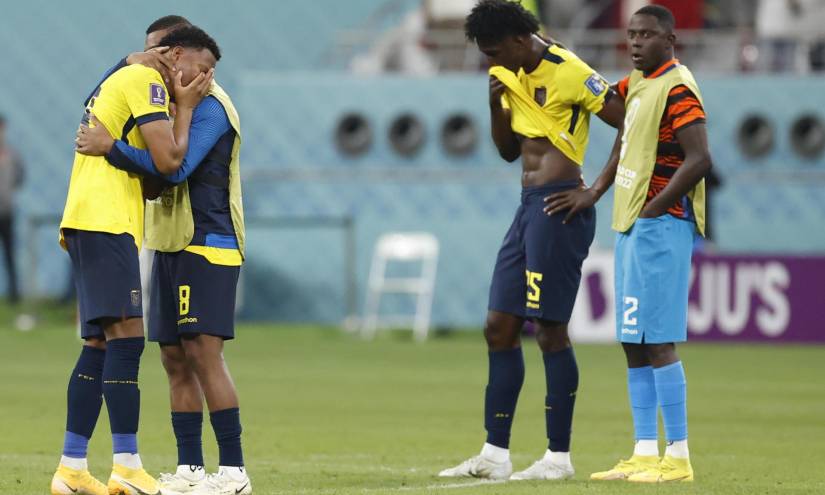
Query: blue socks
<point x="188" y="427"/>
<point x="506" y="377"/>
<point x="641" y="389"/>
<point x="120" y="388"/>
<point x="84" y="400"/>
<point x="562" y="375"/>
<point x="227" y="426"/>
<point x="671" y="390"/>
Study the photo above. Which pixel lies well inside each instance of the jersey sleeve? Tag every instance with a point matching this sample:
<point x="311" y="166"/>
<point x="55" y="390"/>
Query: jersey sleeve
<point x="580" y="85"/>
<point x="209" y="123"/>
<point x="683" y="108"/>
<point x="146" y="95"/>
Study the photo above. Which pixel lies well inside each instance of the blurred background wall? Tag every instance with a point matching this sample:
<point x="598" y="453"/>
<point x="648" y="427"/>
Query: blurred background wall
<point x="369" y="116"/>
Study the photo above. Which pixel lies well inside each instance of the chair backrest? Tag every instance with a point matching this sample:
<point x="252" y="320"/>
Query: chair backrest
<point x="407" y="246"/>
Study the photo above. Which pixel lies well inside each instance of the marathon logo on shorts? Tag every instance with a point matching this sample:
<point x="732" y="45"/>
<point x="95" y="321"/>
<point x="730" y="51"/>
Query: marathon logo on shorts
<point x="187" y="320"/>
<point x="157" y="95"/>
<point x="595" y="84"/>
<point x="135" y="297"/>
<point x="629" y="331"/>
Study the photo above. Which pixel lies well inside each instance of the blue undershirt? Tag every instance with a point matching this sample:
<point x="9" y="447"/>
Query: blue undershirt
<point x="209" y="123"/>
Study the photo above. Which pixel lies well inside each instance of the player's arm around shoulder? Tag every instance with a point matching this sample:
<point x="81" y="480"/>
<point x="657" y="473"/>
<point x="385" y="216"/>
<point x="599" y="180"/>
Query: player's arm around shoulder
<point x="504" y="138"/>
<point x="612" y="113"/>
<point x="168" y="143"/>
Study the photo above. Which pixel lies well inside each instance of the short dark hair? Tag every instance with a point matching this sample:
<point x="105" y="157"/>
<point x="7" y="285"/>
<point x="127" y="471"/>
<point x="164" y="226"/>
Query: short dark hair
<point x="191" y="37"/>
<point x="491" y="21"/>
<point x="166" y="22"/>
<point x="661" y="13"/>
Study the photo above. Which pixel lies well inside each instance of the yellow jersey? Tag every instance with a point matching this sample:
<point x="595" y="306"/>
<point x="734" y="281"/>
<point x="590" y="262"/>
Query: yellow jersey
<point x="103" y="198"/>
<point x="567" y="91"/>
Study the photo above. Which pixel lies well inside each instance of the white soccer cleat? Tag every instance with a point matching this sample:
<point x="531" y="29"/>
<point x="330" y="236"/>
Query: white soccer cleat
<point x="186" y="479"/>
<point x="479" y="467"/>
<point x="227" y="481"/>
<point x="545" y="469"/>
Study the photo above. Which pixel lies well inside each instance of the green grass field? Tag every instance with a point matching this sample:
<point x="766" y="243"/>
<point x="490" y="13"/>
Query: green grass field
<point x="326" y="413"/>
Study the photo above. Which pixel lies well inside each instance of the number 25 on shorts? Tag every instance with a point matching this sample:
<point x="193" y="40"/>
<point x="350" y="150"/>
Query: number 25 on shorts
<point x="183" y="299"/>
<point x="533" y="289"/>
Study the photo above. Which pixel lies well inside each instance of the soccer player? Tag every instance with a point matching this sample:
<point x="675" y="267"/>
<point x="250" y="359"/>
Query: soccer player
<point x="541" y="98"/>
<point x="102" y="229"/>
<point x="197" y="231"/>
<point x="659" y="204"/>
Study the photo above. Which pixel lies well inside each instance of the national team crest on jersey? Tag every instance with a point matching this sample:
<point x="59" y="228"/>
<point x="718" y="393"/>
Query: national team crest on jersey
<point x="540" y="95"/>
<point x="157" y="94"/>
<point x="595" y="84"/>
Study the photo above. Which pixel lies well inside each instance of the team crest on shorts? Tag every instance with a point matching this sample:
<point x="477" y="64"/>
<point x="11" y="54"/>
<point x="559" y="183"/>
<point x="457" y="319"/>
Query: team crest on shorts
<point x="540" y="95"/>
<point x="157" y="94"/>
<point x="135" y="296"/>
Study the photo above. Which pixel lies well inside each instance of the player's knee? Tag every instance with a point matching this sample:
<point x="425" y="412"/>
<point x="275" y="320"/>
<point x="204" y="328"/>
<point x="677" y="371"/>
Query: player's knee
<point x="96" y="343"/>
<point x="552" y="336"/>
<point x="661" y="354"/>
<point x="201" y="351"/>
<point x="501" y="335"/>
<point x="636" y="355"/>
<point x="122" y="329"/>
<point x="174" y="361"/>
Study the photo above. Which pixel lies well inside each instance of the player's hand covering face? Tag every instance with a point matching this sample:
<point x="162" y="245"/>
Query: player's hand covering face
<point x="94" y="140"/>
<point x="190" y="95"/>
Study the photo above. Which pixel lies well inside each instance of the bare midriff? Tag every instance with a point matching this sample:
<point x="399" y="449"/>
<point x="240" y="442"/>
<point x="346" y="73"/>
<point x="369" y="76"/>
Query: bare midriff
<point x="542" y="163"/>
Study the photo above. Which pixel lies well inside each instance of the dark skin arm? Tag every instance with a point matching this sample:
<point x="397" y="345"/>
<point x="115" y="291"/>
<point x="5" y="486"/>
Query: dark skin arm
<point x="576" y="200"/>
<point x="612" y="113"/>
<point x="697" y="164"/>
<point x="505" y="139"/>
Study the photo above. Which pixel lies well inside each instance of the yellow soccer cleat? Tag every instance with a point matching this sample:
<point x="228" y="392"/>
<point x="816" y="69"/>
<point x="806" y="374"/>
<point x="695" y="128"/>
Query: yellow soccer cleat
<point x="126" y="481"/>
<point x="68" y="481"/>
<point x="669" y="469"/>
<point x="625" y="469"/>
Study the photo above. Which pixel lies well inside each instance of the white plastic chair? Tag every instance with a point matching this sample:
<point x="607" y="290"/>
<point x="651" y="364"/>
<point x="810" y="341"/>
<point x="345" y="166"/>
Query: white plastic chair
<point x="406" y="247"/>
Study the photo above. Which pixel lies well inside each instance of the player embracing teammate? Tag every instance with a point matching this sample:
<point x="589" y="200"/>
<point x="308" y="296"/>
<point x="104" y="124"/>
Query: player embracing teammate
<point x="197" y="231"/>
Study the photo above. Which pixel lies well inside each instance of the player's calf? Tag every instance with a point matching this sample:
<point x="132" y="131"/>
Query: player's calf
<point x="562" y="379"/>
<point x="204" y="353"/>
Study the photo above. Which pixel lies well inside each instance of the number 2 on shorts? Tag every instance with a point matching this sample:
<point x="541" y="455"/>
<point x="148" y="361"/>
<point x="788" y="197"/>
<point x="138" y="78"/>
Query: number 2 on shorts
<point x="629" y="319"/>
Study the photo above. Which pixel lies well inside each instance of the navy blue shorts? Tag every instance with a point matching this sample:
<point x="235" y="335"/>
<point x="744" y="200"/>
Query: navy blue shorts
<point x="538" y="269"/>
<point x="191" y="296"/>
<point x="106" y="275"/>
